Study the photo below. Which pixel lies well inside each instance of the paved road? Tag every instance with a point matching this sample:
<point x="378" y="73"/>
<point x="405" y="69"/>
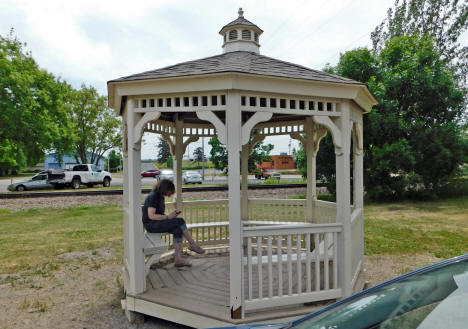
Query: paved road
<point x="148" y="181"/>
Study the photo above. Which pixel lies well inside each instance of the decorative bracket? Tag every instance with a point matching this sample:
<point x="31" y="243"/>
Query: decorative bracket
<point x="319" y="133"/>
<point x="217" y="123"/>
<point x="255" y="141"/>
<point x="327" y="122"/>
<point x="191" y="139"/>
<point x="139" y="127"/>
<point x="298" y="136"/>
<point x="253" y="120"/>
<point x="169" y="141"/>
<point x="359" y="143"/>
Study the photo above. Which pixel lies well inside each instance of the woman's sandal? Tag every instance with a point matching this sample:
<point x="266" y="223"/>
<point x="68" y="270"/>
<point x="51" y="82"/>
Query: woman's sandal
<point x="196" y="248"/>
<point x="183" y="263"/>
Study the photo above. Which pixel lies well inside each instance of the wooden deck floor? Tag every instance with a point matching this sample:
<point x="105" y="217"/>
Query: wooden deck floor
<point x="203" y="289"/>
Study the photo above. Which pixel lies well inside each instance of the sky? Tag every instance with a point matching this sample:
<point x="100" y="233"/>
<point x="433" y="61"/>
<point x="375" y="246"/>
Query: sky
<point x="92" y="42"/>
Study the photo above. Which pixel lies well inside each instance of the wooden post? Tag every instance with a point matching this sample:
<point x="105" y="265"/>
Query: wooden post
<point x="358" y="168"/>
<point x="343" y="206"/>
<point x="132" y="204"/>
<point x="358" y="180"/>
<point x="245" y="181"/>
<point x="233" y="127"/>
<point x="311" y="170"/>
<point x="178" y="160"/>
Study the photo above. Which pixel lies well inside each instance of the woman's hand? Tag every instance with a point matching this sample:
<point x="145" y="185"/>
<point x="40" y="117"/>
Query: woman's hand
<point x="173" y="214"/>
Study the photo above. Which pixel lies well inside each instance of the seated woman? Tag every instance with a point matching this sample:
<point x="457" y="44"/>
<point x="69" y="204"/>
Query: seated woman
<point x="155" y="221"/>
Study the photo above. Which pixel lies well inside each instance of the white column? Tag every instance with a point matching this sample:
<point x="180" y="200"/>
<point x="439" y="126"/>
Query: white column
<point x="233" y="127"/>
<point x="343" y="204"/>
<point x="178" y="160"/>
<point x="245" y="181"/>
<point x="132" y="205"/>
<point x="358" y="182"/>
<point x="311" y="170"/>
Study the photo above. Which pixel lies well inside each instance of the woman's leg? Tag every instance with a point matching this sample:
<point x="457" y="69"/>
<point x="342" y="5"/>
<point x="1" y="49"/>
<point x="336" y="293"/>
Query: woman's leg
<point x="192" y="244"/>
<point x="171" y="226"/>
<point x="178" y="260"/>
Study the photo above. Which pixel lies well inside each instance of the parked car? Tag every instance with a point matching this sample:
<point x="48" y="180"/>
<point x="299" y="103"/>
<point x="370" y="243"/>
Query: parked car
<point x="191" y="177"/>
<point x="37" y="182"/>
<point x="150" y="173"/>
<point x="79" y="174"/>
<point x="166" y="174"/>
<point x="268" y="173"/>
<point x="432" y="297"/>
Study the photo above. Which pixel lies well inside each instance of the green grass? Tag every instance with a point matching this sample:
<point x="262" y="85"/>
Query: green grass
<point x="33" y="238"/>
<point x="439" y="228"/>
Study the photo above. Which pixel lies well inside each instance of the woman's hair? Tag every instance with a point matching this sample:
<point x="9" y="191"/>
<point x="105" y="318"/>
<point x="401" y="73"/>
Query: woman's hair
<point x="164" y="187"/>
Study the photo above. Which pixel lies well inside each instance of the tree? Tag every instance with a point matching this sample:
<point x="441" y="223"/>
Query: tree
<point x="219" y="155"/>
<point x="115" y="161"/>
<point x="33" y="108"/>
<point x="260" y="154"/>
<point x="443" y="20"/>
<point x="163" y="150"/>
<point x="96" y="125"/>
<point x="198" y="154"/>
<point x="412" y="139"/>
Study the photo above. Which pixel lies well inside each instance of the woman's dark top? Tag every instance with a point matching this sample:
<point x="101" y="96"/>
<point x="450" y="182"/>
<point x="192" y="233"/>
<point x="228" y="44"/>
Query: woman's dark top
<point x="155" y="200"/>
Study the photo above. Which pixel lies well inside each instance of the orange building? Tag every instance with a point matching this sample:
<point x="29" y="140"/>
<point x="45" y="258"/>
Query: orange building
<point x="280" y="162"/>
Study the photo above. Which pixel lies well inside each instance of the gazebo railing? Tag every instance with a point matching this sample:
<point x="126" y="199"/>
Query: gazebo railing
<point x="357" y="242"/>
<point x="325" y="211"/>
<point x="290" y="264"/>
<point x="208" y="219"/>
<point x="276" y="210"/>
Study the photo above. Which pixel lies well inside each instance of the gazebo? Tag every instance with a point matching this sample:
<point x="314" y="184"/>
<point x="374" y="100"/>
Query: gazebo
<point x="282" y="254"/>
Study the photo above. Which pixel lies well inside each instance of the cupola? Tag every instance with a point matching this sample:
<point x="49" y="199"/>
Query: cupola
<point x="241" y="35"/>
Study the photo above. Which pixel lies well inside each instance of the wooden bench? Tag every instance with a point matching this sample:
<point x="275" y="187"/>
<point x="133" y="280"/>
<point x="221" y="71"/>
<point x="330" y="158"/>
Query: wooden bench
<point x="155" y="245"/>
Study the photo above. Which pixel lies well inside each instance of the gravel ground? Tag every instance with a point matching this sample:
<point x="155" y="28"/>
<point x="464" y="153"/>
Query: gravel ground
<point x="62" y="202"/>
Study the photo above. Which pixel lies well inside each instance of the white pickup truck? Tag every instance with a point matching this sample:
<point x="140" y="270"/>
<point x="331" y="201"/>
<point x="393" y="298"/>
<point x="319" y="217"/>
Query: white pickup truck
<point x="87" y="174"/>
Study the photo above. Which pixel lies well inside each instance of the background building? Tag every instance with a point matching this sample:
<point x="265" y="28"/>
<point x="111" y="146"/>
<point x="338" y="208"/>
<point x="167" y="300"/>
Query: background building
<point x="280" y="162"/>
<point x="52" y="161"/>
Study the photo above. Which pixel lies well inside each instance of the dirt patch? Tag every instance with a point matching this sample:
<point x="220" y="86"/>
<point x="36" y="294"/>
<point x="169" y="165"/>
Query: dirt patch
<point x="380" y="268"/>
<point x="83" y="293"/>
<point x="97" y="253"/>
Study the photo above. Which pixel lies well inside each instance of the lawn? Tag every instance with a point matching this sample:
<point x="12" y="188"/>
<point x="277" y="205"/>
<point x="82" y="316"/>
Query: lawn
<point x="31" y="239"/>
<point x="439" y="228"/>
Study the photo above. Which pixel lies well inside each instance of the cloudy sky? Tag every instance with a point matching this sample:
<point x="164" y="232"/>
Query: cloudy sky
<point x="92" y="42"/>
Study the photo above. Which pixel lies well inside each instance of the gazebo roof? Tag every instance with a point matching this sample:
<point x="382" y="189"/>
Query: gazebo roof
<point x="240" y="21"/>
<point x="240" y="62"/>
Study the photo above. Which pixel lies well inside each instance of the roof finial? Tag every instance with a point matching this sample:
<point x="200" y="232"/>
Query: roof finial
<point x="241" y="12"/>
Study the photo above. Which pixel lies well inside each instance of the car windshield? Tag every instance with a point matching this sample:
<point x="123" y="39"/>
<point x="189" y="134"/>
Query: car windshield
<point x="434" y="299"/>
<point x="192" y="173"/>
<point x="39" y="177"/>
<point x="166" y="172"/>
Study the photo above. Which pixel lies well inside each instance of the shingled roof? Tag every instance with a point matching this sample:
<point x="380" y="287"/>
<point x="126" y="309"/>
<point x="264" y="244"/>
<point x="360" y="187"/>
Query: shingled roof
<point x="241" y="62"/>
<point x="240" y="21"/>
